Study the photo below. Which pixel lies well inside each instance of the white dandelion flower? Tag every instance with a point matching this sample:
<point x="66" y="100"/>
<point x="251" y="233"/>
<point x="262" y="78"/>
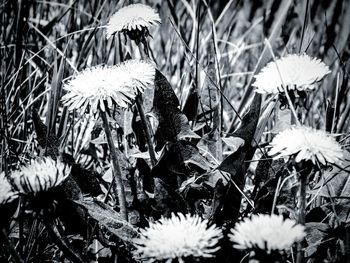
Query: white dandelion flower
<point x="103" y="86"/>
<point x="306" y="144"/>
<point x="177" y="237"/>
<point x="294" y="71"/>
<point x="40" y="175"/>
<point x="135" y="17"/>
<point x="266" y="232"/>
<point x="7" y="194"/>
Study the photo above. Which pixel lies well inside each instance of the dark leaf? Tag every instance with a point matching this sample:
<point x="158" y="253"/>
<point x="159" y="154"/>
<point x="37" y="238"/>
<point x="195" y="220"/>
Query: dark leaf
<point x="210" y="146"/>
<point x="110" y="219"/>
<point x="173" y="125"/>
<point x="329" y="116"/>
<point x="181" y="159"/>
<point x="164" y="95"/>
<point x="191" y="105"/>
<point x="167" y="200"/>
<point x="88" y="181"/>
<point x="210" y="93"/>
<point x="71" y="189"/>
<point x="235" y="164"/>
<point x="249" y="121"/>
<point x="49" y="143"/>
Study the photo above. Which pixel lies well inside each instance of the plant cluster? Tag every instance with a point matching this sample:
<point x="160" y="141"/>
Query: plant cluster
<point x="187" y="131"/>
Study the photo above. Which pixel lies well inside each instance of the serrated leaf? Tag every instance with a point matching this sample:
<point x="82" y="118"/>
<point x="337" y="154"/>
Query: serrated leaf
<point x="110" y="219"/>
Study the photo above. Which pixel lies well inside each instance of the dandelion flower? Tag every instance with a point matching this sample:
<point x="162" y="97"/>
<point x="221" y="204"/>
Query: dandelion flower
<point x="134" y="20"/>
<point x="295" y="72"/>
<point x="7" y="194"/>
<point x="103" y="86"/>
<point x="266" y="232"/>
<point x="40" y="175"/>
<point x="307" y="144"/>
<point x="177" y="237"/>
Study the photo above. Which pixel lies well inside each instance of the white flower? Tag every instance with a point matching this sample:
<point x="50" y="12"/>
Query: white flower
<point x="267" y="233"/>
<point x="307" y="144"/>
<point x="177" y="237"/>
<point x="102" y="86"/>
<point x="7" y="194"/>
<point x="294" y="71"/>
<point x="132" y="17"/>
<point x="40" y="175"/>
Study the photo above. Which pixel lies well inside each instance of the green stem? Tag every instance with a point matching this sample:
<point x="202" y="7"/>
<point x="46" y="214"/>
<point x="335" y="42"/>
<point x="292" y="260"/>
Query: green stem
<point x="116" y="168"/>
<point x="145" y="55"/>
<point x="301" y="215"/>
<point x="147" y="131"/>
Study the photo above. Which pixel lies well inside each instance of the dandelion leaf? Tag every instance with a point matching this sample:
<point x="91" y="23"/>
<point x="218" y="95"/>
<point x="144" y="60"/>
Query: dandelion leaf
<point x="191" y="105"/>
<point x="164" y="95"/>
<point x="181" y="159"/>
<point x="315" y="233"/>
<point x="88" y="181"/>
<point x="235" y="164"/>
<point x="109" y="219"/>
<point x="50" y="143"/>
<point x="210" y="93"/>
<point x="335" y="183"/>
<point x="167" y="200"/>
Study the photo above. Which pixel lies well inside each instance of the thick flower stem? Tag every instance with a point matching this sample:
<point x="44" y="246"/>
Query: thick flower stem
<point x="301" y="215"/>
<point x="116" y="168"/>
<point x="147" y="131"/>
<point x="145" y="55"/>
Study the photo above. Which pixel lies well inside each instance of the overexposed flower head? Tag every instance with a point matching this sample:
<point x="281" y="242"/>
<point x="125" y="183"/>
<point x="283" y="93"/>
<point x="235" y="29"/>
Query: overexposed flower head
<point x="307" y="144"/>
<point x="131" y="18"/>
<point x="266" y="232"/>
<point x="103" y="86"/>
<point x="177" y="237"/>
<point x="40" y="175"/>
<point x="7" y="194"/>
<point x="294" y="71"/>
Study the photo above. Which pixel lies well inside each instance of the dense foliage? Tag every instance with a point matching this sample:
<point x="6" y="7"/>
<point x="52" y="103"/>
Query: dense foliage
<point x="216" y="131"/>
